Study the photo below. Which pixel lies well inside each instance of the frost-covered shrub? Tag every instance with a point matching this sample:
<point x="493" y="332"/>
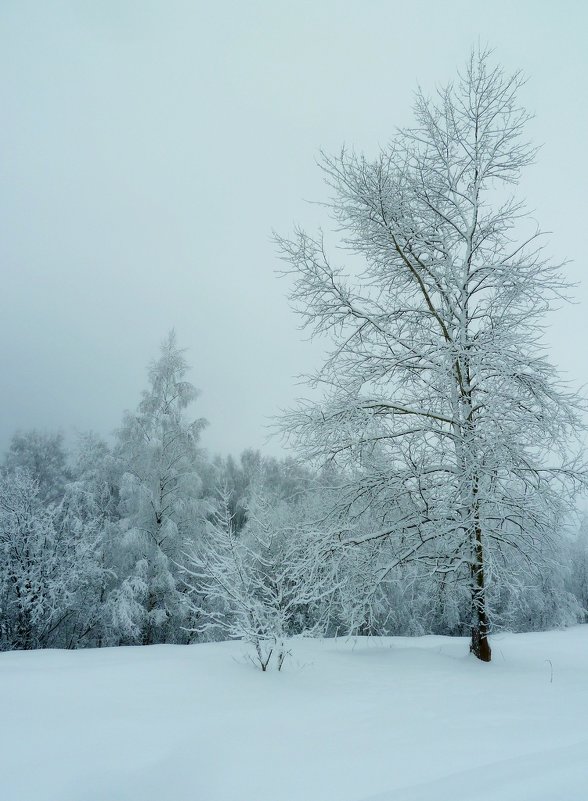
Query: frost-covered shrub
<point x="260" y="585"/>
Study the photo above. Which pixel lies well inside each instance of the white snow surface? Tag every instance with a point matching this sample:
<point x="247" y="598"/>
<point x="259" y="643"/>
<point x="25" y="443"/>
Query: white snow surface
<point x="380" y="719"/>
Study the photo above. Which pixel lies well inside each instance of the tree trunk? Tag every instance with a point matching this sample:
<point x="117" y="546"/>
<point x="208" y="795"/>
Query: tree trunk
<point x="480" y="645"/>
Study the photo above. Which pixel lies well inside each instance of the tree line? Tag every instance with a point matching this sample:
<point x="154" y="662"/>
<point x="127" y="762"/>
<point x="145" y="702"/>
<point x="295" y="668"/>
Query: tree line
<point x="149" y="540"/>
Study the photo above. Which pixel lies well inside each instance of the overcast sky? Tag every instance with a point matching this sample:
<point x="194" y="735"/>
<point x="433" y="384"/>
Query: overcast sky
<point x="148" y="149"/>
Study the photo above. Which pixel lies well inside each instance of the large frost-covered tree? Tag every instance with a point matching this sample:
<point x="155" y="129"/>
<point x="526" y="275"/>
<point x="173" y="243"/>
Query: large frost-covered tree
<point x="439" y="398"/>
<point x="160" y="489"/>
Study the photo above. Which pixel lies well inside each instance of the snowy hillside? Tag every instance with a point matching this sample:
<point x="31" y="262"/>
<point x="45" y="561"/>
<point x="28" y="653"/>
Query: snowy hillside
<point x="389" y="719"/>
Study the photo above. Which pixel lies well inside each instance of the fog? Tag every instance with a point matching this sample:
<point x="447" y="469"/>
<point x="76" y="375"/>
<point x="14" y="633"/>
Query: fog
<point x="148" y="150"/>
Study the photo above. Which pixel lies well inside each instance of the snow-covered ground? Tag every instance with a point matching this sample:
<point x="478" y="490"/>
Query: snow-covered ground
<point x="386" y="719"/>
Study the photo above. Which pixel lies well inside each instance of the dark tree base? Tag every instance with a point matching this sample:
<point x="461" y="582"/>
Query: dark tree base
<point x="480" y="646"/>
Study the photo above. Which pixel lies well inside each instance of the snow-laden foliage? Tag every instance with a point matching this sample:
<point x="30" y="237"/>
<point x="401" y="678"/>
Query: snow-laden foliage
<point x="43" y="456"/>
<point x="47" y="568"/>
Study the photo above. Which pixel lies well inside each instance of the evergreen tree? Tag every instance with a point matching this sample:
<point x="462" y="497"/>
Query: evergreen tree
<point x="160" y="495"/>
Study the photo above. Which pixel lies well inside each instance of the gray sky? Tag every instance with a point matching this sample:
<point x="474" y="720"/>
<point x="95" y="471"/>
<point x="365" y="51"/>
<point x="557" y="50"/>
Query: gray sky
<point x="148" y="149"/>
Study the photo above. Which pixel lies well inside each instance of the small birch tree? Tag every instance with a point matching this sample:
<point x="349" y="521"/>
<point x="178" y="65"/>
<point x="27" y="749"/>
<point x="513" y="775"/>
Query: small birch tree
<point x="440" y="400"/>
<point x="257" y="584"/>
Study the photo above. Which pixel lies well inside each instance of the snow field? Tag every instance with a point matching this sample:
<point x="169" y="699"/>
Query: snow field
<point x="382" y="719"/>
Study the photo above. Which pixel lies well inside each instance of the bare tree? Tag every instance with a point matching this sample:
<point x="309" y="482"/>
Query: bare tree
<point x="439" y="397"/>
